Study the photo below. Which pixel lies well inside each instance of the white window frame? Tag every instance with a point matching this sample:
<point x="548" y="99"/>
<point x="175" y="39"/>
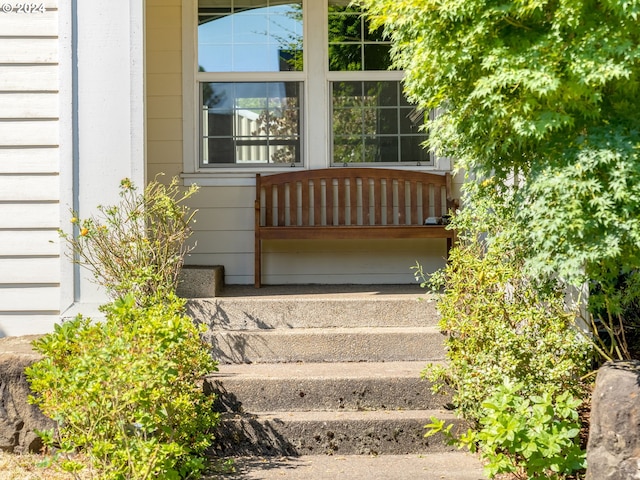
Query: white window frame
<point x="316" y="104"/>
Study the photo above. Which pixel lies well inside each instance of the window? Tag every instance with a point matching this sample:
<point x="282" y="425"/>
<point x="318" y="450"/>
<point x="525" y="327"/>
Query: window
<point x="250" y="121"/>
<point x="277" y="78"/>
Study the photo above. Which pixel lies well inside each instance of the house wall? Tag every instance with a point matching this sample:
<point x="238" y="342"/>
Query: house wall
<point x="224" y="227"/>
<point x="72" y="124"/>
<point x="30" y="156"/>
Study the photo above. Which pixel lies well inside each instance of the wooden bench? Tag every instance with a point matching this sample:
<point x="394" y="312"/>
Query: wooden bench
<point x="347" y="203"/>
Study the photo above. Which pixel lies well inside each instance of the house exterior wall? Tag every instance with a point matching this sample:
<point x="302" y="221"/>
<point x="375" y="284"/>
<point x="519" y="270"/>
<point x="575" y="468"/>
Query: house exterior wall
<point x="72" y="125"/>
<point x="223" y="232"/>
<point x="31" y="120"/>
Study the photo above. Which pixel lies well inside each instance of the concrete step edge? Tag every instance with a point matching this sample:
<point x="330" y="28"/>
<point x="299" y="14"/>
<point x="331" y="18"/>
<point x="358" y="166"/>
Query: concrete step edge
<point x="378" y="330"/>
<point x="459" y="465"/>
<point x="328" y="345"/>
<point x="347" y="415"/>
<point x="324" y="387"/>
<point x="348" y="370"/>
<point x="344" y="433"/>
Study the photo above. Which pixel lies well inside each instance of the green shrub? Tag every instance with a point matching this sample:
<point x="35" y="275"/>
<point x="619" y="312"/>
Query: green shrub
<point x="499" y="326"/>
<point x="137" y="246"/>
<point x="534" y="437"/>
<point x="127" y="393"/>
<point x="516" y="356"/>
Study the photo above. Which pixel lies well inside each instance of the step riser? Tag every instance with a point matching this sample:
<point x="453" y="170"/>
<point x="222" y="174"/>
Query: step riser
<point x="238" y="314"/>
<point x="281" y="437"/>
<point x="327" y="346"/>
<point x="282" y="395"/>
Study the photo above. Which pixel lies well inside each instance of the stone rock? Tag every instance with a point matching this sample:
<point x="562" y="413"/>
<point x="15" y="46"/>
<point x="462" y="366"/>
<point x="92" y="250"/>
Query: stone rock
<point x="613" y="449"/>
<point x="18" y="419"/>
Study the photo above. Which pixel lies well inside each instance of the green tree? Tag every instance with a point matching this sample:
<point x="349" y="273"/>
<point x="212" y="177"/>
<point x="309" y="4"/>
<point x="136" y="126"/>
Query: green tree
<point x="541" y="97"/>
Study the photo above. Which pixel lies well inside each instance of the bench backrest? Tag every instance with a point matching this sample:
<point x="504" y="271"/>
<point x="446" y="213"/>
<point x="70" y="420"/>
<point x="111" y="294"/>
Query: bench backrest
<point x="351" y="197"/>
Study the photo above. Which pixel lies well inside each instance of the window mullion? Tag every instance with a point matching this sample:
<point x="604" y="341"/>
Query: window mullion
<point x="318" y="103"/>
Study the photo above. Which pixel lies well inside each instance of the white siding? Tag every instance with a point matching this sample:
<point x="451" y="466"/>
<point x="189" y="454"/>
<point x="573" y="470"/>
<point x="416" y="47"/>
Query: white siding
<point x="31" y="78"/>
<point x="29" y="160"/>
<point x="25" y="322"/>
<point x="30" y="263"/>
<point x="29" y="105"/>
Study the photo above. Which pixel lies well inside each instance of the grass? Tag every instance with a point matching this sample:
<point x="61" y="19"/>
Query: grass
<point x="25" y="467"/>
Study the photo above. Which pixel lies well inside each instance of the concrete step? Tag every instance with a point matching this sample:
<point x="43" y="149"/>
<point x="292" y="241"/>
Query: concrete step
<point x="323" y="387"/>
<point x="247" y="308"/>
<point x="431" y="466"/>
<point x="389" y="432"/>
<point x="360" y="344"/>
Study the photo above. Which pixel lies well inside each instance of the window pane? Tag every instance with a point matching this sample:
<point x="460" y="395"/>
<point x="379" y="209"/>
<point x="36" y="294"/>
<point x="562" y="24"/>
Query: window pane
<point x="411" y="150"/>
<point x="352" y="47"/>
<point x="251" y="35"/>
<point x="347" y="149"/>
<point x="251" y="122"/>
<point x="344" y="26"/>
<point x="388" y="119"/>
<point x="377" y="57"/>
<point x="411" y="121"/>
<point x="388" y="147"/>
<point x="370" y="125"/>
<point x="218" y="150"/>
<point x="345" y="57"/>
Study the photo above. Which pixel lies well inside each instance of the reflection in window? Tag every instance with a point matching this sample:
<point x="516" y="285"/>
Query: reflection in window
<point x="252" y="122"/>
<point x="249" y="35"/>
<point x="352" y="46"/>
<point x="372" y="122"/>
<point x="251" y="74"/>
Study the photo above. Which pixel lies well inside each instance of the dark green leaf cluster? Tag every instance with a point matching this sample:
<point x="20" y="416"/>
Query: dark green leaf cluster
<point x="534" y="437"/>
<point x="127" y="392"/>
<point x="585" y="207"/>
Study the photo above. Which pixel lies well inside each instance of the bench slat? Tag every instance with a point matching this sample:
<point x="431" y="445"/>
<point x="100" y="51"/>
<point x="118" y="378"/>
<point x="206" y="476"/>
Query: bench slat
<point x="304" y="190"/>
<point x="317" y="202"/>
<point x="351" y="232"/>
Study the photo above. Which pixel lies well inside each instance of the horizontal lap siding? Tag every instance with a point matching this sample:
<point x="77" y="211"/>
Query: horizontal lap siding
<point x="29" y="171"/>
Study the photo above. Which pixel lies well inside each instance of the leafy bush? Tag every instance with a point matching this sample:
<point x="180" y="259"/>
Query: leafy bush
<point x="515" y="352"/>
<point x="499" y="326"/>
<point x="533" y="437"/>
<point x="137" y="246"/>
<point x="127" y="393"/>
<point x="542" y="98"/>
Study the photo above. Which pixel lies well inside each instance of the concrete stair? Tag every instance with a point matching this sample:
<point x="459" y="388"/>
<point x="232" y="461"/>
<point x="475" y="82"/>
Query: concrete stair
<point x="324" y="370"/>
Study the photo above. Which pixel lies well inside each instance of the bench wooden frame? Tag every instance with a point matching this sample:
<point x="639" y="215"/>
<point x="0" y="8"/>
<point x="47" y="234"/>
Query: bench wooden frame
<point x="349" y="203"/>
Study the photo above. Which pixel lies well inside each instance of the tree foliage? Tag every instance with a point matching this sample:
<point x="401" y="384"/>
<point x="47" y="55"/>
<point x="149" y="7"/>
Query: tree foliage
<point x="542" y="97"/>
<point x="518" y="80"/>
